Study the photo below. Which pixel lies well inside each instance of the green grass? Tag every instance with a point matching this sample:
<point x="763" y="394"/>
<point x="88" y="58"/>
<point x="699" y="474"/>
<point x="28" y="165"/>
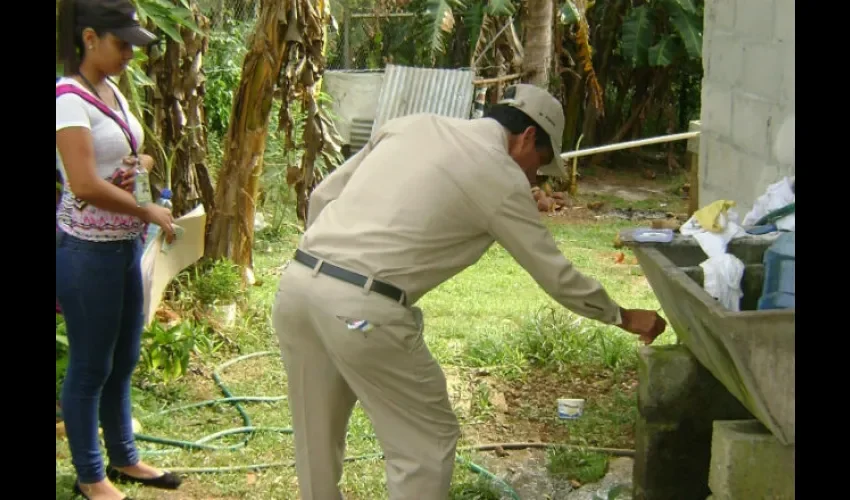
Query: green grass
<point x="577" y="464"/>
<point x="495" y="332"/>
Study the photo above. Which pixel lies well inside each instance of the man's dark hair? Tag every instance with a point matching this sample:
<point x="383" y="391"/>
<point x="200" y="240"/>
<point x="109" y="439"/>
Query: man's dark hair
<point x="516" y="122"/>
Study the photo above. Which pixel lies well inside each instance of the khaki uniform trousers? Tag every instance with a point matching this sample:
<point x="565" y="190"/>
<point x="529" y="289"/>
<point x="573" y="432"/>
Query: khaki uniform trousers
<point x="389" y="369"/>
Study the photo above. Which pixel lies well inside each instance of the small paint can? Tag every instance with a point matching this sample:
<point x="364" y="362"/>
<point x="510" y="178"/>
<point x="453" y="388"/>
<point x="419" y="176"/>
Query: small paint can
<point x="570" y="409"/>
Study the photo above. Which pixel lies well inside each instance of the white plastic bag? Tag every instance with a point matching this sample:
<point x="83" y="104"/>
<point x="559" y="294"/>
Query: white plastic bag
<point x="722" y="276"/>
<point x="714" y="244"/>
<point x="777" y="195"/>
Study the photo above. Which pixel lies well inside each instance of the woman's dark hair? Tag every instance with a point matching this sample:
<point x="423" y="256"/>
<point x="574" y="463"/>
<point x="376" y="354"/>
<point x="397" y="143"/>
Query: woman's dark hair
<point x="516" y="122"/>
<point x="70" y="38"/>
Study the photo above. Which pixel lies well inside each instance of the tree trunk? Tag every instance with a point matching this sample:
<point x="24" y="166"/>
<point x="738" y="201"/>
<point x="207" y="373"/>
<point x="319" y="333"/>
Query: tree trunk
<point x="312" y="145"/>
<point x="231" y="232"/>
<point x="537" y="26"/>
<point x="179" y="119"/>
<point x="639" y="107"/>
<point x="612" y="123"/>
<point x="609" y="34"/>
<point x="572" y="113"/>
<point x="300" y="79"/>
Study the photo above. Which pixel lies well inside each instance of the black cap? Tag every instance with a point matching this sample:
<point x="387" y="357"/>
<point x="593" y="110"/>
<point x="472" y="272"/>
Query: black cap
<point x="113" y="16"/>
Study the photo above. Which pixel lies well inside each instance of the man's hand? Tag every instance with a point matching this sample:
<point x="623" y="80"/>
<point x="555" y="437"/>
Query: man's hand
<point x="645" y="323"/>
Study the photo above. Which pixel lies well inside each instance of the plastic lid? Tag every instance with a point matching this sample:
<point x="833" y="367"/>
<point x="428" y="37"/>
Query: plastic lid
<point x="166" y="193"/>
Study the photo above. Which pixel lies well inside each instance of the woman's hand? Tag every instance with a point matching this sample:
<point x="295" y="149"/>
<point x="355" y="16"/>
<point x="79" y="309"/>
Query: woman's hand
<point x="161" y="216"/>
<point x="129" y="174"/>
<point x="145" y="161"/>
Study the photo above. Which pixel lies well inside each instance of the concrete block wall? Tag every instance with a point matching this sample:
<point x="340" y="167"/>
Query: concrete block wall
<point x="747" y="95"/>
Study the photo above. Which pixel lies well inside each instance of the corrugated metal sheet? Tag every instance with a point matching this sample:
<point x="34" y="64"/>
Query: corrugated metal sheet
<point x="408" y="90"/>
<point x="361" y="131"/>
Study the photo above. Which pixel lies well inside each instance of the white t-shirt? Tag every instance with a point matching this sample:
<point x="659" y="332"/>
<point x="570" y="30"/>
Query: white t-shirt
<point x="110" y="147"/>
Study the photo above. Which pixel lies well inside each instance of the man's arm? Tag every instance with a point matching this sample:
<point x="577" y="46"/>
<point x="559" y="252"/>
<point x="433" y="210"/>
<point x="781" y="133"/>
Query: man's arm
<point x="330" y="188"/>
<point x="517" y="227"/>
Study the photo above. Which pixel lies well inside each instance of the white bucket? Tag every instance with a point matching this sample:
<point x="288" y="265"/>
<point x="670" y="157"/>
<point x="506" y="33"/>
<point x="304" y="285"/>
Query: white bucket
<point x="226" y="313"/>
<point x="570" y="409"/>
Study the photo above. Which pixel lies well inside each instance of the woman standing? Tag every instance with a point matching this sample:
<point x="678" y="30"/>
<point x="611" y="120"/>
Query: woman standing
<point x="98" y="247"/>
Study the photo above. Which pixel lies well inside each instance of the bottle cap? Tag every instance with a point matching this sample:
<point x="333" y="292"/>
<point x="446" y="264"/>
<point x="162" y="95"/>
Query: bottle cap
<point x="166" y="194"/>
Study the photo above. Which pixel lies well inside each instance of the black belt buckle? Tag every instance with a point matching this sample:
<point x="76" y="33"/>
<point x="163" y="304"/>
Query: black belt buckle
<point x="351" y="277"/>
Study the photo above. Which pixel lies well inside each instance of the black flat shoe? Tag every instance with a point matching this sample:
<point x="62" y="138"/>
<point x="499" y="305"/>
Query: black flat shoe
<point x="79" y="492"/>
<point x="167" y="481"/>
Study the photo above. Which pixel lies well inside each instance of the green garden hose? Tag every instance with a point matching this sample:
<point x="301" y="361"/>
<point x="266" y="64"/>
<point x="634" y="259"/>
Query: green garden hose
<point x="777" y="214"/>
<point x="249" y="430"/>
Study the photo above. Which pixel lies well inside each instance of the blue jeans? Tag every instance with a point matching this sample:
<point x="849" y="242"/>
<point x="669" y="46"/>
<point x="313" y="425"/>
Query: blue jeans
<point x="99" y="286"/>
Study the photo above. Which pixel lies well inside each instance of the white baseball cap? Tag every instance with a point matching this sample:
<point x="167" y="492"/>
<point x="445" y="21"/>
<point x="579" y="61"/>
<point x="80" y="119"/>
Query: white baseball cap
<point x="547" y="112"/>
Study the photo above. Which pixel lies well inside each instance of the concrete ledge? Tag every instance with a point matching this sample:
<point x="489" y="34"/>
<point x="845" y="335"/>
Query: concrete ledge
<point x="677" y="401"/>
<point x="747" y="461"/>
<point x="674" y="386"/>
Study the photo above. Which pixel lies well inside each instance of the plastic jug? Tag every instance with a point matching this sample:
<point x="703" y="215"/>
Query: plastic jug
<point x="778" y="290"/>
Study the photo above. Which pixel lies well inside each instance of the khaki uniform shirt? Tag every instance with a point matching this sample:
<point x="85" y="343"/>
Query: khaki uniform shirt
<point x="426" y="198"/>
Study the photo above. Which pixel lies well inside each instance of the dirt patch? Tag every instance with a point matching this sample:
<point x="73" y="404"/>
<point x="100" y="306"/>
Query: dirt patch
<point x="189" y="490"/>
<point x="574" y="215"/>
<point x="632" y="199"/>
<point x="627" y="193"/>
<point x="201" y="387"/>
<point x="496" y="411"/>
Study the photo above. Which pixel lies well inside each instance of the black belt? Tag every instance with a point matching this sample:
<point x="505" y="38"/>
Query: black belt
<point x="353" y="278"/>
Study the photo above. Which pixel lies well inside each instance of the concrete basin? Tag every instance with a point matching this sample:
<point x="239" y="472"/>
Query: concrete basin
<point x="751" y="352"/>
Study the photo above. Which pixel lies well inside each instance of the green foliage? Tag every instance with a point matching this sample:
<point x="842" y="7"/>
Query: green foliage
<point x="165" y="351"/>
<point x="638" y="30"/>
<point x="61" y="352"/>
<point x="502" y="8"/>
<point x="137" y="83"/>
<point x="223" y="68"/>
<point x="220" y="282"/>
<point x="663" y="52"/>
<point x="555" y="340"/>
<point x="578" y="464"/>
<point x="168" y="16"/>
<point x="688" y="25"/>
<point x="439" y="22"/>
<point x="676" y="23"/>
<point x="475" y="489"/>
<point x="569" y="13"/>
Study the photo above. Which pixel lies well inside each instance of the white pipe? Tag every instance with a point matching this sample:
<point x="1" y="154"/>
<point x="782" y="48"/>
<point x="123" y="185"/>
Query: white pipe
<point x="630" y="144"/>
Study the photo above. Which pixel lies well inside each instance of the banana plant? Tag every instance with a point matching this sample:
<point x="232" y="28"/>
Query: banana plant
<point x="575" y="12"/>
<point x="437" y="20"/>
<point x="643" y="45"/>
<point x="168" y="16"/>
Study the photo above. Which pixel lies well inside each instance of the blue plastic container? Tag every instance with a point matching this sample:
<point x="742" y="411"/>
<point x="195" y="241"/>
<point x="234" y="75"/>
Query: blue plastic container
<point x="645" y="235"/>
<point x="778" y="290"/>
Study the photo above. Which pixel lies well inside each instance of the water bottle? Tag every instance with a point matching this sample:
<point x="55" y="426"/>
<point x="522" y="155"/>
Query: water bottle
<point x="153" y="229"/>
<point x="142" y="187"/>
<point x="779" y="259"/>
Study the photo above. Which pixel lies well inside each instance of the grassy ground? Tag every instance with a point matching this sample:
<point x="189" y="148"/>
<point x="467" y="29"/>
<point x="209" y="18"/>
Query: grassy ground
<point x="508" y="350"/>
